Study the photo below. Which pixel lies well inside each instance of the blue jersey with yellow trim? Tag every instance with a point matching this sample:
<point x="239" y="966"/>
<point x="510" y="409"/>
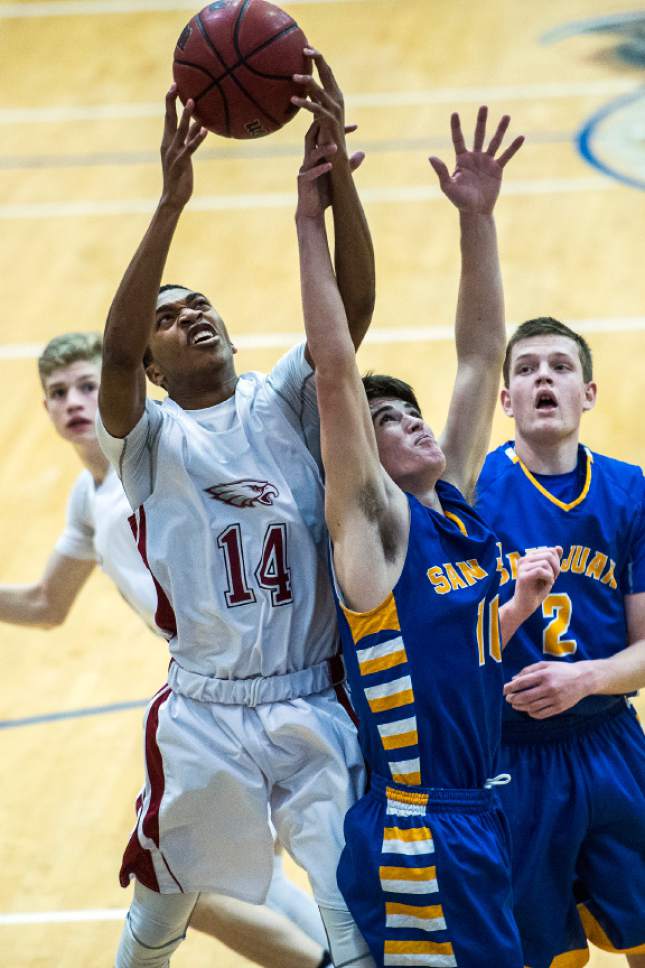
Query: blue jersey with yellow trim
<point x="424" y="666"/>
<point x="602" y="532"/>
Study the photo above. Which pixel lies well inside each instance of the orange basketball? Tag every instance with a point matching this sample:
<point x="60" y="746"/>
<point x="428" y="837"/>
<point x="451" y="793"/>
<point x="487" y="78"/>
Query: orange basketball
<point x="235" y="59"/>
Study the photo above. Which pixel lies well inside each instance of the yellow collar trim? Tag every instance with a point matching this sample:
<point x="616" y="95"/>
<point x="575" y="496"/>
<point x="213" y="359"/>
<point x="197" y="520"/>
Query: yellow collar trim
<point x="551" y="497"/>
<point x="454" y="517"/>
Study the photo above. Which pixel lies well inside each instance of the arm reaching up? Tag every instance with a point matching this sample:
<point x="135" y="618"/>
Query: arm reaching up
<point x="361" y="501"/>
<point x="131" y="315"/>
<point x="353" y="250"/>
<point x="480" y="333"/>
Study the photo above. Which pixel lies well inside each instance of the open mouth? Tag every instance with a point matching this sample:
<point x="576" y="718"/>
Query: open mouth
<point x="201" y="334"/>
<point x="545" y="401"/>
<point x="79" y="423"/>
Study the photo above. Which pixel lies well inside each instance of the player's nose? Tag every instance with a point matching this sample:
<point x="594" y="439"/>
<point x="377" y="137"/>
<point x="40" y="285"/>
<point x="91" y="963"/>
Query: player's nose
<point x="411" y="423"/>
<point x="74" y="400"/>
<point x="188" y="316"/>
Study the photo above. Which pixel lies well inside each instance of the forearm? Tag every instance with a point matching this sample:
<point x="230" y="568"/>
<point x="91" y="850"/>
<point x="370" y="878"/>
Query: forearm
<point x="27" y="605"/>
<point x="132" y="311"/>
<point x="480" y="325"/>
<point x="353" y="252"/>
<point x="328" y="339"/>
<point x="510" y="619"/>
<point x="621" y="673"/>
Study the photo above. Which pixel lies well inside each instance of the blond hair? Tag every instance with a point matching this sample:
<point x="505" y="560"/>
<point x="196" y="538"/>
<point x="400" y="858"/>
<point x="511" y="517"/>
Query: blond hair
<point x="69" y="348"/>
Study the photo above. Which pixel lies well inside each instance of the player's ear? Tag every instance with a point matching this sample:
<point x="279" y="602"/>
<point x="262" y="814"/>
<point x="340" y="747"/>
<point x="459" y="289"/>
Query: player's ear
<point x="591" y="391"/>
<point x="155" y="375"/>
<point x="505" y="400"/>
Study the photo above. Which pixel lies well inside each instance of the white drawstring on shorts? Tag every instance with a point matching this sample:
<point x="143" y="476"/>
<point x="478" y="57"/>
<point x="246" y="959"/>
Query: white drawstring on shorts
<point x="500" y="780"/>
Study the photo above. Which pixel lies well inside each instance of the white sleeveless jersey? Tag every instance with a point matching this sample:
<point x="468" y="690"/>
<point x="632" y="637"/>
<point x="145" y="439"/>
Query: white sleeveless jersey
<point x="98" y="530"/>
<point x="230" y="521"/>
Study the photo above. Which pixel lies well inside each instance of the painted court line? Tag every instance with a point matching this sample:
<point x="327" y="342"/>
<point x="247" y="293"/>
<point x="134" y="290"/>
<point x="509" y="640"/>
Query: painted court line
<point x="63" y="917"/>
<point x="376" y="99"/>
<point x="269" y="200"/>
<point x="115" y="707"/>
<point x="427" y="334"/>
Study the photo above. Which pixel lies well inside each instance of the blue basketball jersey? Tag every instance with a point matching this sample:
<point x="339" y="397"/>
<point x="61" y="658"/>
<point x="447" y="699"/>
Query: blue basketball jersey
<point x="601" y="529"/>
<point x="424" y="666"/>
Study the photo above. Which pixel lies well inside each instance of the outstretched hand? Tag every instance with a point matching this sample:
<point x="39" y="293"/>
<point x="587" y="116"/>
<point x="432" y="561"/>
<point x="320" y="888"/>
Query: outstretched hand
<point x="327" y="105"/>
<point x="313" y="190"/>
<point x="474" y="185"/>
<point x="179" y="143"/>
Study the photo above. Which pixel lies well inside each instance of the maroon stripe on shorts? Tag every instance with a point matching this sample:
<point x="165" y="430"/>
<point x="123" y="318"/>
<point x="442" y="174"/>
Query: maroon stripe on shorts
<point x="137" y="860"/>
<point x="343" y="699"/>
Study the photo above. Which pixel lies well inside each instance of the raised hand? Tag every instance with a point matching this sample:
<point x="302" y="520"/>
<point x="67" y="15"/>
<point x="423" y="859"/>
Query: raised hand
<point x="313" y="190"/>
<point x="474" y="185"/>
<point x="179" y="143"/>
<point x="327" y="105"/>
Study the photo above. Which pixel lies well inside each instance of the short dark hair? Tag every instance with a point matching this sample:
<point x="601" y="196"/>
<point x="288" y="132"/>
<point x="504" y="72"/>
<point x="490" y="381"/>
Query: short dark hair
<point x="171" y="285"/>
<point x="380" y="385"/>
<point x="548" y="326"/>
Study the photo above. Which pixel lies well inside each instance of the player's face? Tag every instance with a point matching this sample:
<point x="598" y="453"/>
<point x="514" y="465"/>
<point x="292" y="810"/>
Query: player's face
<point x="188" y="334"/>
<point x="71" y="395"/>
<point x="407" y="446"/>
<point x="547" y="393"/>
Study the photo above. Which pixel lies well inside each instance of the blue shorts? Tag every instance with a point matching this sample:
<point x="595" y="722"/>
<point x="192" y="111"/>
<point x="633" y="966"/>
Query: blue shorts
<point x="576" y="808"/>
<point x="426" y="876"/>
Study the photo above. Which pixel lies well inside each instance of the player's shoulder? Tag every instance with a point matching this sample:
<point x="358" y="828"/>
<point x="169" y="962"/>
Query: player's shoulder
<point x="497" y="465"/>
<point x="621" y="475"/>
<point x="80" y="498"/>
<point x="82" y="486"/>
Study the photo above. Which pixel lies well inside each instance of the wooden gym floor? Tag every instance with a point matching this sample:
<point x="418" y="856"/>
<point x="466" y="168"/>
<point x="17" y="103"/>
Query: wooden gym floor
<point x="80" y="122"/>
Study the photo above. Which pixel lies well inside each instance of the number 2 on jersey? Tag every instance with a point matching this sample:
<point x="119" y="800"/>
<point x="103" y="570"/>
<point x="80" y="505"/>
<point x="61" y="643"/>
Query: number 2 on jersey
<point x="558" y="608"/>
<point x="272" y="571"/>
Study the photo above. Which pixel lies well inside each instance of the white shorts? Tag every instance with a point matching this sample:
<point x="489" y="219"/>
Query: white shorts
<point x="211" y="771"/>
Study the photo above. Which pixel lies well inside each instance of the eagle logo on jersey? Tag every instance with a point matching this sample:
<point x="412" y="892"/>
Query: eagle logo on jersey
<point x="244" y="494"/>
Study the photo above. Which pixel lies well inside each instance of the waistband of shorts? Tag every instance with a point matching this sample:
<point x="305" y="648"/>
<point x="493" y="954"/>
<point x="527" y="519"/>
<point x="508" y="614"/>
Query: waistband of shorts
<point x="259" y="689"/>
<point x="528" y="731"/>
<point x="417" y="799"/>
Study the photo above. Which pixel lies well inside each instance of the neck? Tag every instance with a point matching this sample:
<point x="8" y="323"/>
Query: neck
<point x="93" y="458"/>
<point x="193" y="396"/>
<point x="548" y="457"/>
<point x="424" y="491"/>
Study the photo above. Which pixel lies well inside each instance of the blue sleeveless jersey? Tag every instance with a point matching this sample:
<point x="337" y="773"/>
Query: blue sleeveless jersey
<point x="424" y="667"/>
<point x="602" y="532"/>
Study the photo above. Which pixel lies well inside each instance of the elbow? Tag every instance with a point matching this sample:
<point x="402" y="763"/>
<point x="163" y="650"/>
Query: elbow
<point x="51" y="614"/>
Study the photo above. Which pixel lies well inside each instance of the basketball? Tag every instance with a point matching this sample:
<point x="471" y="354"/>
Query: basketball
<point x="235" y="59"/>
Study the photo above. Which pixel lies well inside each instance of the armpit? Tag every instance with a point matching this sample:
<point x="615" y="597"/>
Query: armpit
<point x="373" y="503"/>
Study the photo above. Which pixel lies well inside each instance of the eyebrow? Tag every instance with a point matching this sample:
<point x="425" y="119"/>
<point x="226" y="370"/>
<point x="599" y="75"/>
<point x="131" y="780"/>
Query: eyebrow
<point x="67" y="383"/>
<point x="552" y="353"/>
<point x="388" y="406"/>
<point x="190" y="298"/>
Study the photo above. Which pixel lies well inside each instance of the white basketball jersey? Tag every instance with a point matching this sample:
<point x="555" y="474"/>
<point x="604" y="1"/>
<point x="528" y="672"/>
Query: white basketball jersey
<point x="230" y="520"/>
<point x="98" y="530"/>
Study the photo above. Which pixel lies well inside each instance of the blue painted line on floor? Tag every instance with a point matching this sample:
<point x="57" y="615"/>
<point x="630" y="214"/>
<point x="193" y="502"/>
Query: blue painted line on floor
<point x="116" y="707"/>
